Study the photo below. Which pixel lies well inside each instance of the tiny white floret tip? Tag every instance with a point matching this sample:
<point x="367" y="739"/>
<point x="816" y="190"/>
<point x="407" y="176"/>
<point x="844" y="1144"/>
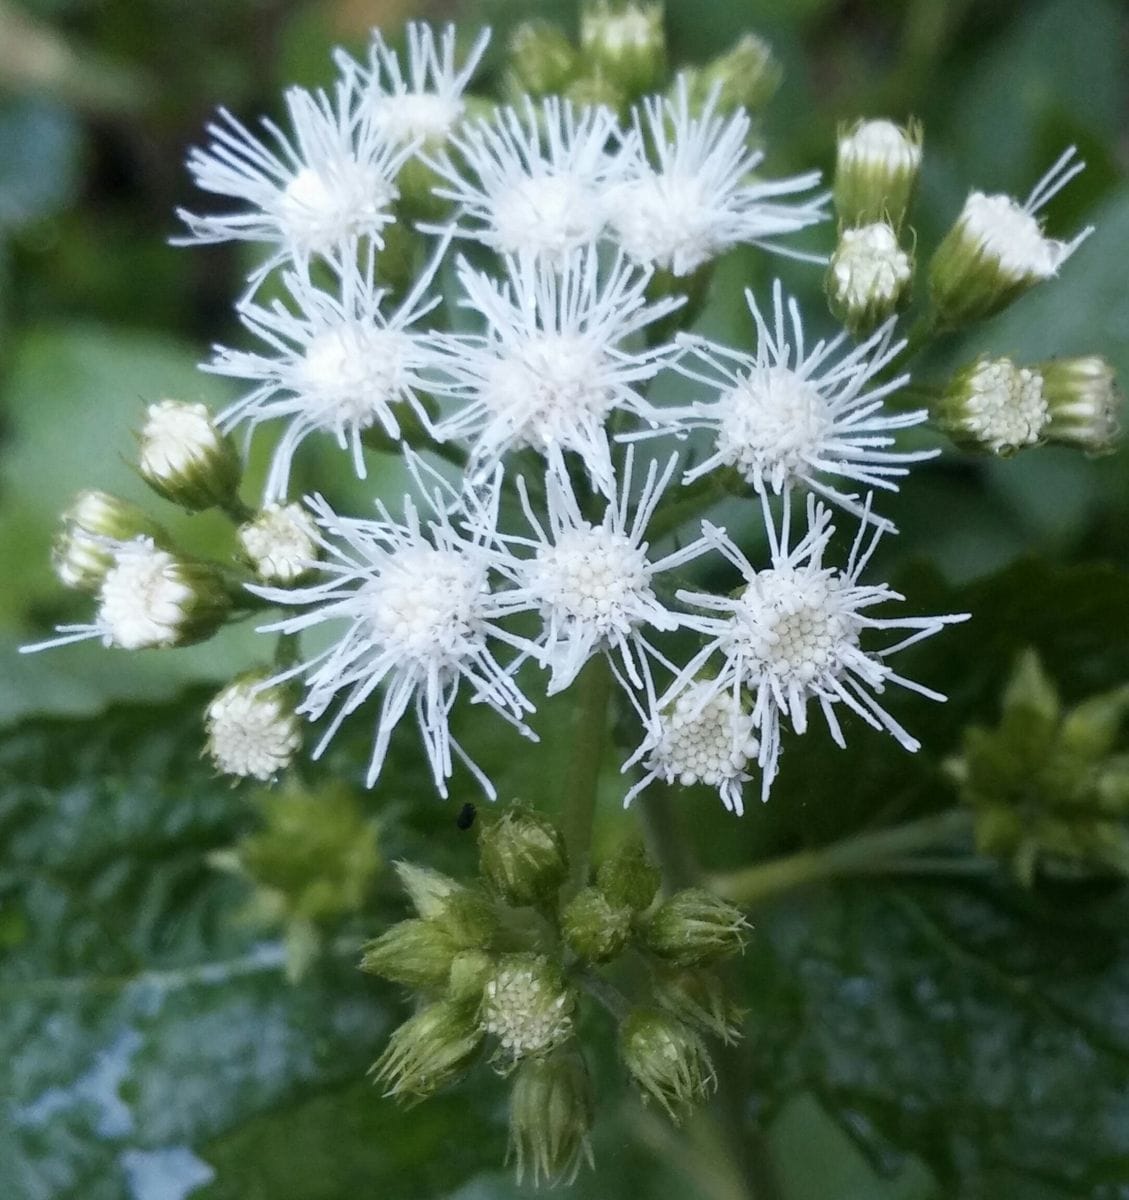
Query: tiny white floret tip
<point x="793" y="635"/>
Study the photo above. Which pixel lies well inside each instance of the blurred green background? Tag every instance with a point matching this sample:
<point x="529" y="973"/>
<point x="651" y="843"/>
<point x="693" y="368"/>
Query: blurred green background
<point x="975" y="1049"/>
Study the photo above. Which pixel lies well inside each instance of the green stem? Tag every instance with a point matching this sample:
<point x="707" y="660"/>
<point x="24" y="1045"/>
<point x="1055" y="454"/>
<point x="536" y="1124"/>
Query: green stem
<point x="606" y="993"/>
<point x="593" y="692"/>
<point x="237" y="511"/>
<point x="665" y="840"/>
<point x="686" y="504"/>
<point x="864" y="854"/>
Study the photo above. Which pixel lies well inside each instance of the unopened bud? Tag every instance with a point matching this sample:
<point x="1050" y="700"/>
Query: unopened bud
<point x="416" y="953"/>
<point x="89" y="532"/>
<point x="869" y="276"/>
<point x="528" y="1007"/>
<point x="667" y="1059"/>
<point x="694" y="927"/>
<point x="428" y="890"/>
<point x="184" y="457"/>
<point x="628" y="878"/>
<point x="994" y="406"/>
<point x="542" y="60"/>
<point x="876" y="169"/>
<point x="470" y="971"/>
<point x="1082" y="401"/>
<point x="699" y="998"/>
<point x="594" y="929"/>
<point x="625" y="43"/>
<point x="551" y="1112"/>
<point x="253" y="731"/>
<point x="997" y="250"/>
<point x="595" y="91"/>
<point x="523" y="856"/>
<point x="280" y="543"/>
<point x="746" y="76"/>
<point x="430" y="1050"/>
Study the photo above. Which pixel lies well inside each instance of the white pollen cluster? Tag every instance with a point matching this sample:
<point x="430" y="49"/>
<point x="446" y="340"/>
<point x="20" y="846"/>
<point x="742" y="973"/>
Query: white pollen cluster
<point x="352" y="372"/>
<point x="526" y="1008"/>
<point x="319" y="209"/>
<point x="281" y="543"/>
<point x="252" y="732"/>
<point x="1004" y="408"/>
<point x="591" y="574"/>
<point x="869" y="268"/>
<point x="144" y="596"/>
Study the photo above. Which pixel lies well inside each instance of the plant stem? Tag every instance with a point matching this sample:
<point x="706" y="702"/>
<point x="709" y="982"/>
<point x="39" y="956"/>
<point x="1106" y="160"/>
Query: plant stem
<point x="864" y="854"/>
<point x="593" y="691"/>
<point x="665" y="841"/>
<point x="606" y="993"/>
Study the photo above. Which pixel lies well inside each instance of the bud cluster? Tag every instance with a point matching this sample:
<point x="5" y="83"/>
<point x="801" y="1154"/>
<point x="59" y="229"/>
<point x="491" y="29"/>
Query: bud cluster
<point x="1049" y="785"/>
<point x="502" y="967"/>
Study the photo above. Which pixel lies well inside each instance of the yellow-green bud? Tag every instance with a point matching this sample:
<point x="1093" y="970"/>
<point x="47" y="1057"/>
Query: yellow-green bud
<point x="184" y="457"/>
<point x="593" y="928"/>
<point x="416" y="953"/>
<point x="667" y="1059"/>
<point x="628" y="878"/>
<point x="551" y="1112"/>
<point x="1082" y="402"/>
<point x="280" y="543"/>
<point x="430" y="1050"/>
<point x="89" y="531"/>
<point x="994" y="406"/>
<point x="745" y="76"/>
<point x="523" y="856"/>
<point x="542" y="60"/>
<point x="624" y="42"/>
<point x="1091" y="728"/>
<point x="1030" y="693"/>
<point x="694" y="927"/>
<point x="470" y="970"/>
<point x="253" y="731"/>
<point x="868" y="278"/>
<point x="876" y="169"/>
<point x="591" y="91"/>
<point x="699" y="998"/>
<point x="528" y="1007"/>
<point x="428" y="890"/>
<point x="470" y="919"/>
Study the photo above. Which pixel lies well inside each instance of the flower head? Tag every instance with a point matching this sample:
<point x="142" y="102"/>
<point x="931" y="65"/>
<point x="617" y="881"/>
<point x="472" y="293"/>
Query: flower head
<point x="876" y="169"/>
<point x="281" y="543"/>
<point x="699" y="200"/>
<point x="868" y="276"/>
<point x="528" y="1007"/>
<point x="185" y="458"/>
<point x="551" y="1113"/>
<point x="994" y="406"/>
<point x="253" y="731"/>
<point x="793" y="634"/>
<point x="550" y="368"/>
<point x="90" y="531"/>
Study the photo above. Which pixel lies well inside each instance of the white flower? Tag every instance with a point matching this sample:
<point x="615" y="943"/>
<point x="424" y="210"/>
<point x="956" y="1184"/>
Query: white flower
<point x="868" y="276"/>
<point x="995" y="405"/>
<point x="592" y="583"/>
<point x="703" y="736"/>
<point x="879" y="144"/>
<point x="793" y="634"/>
<point x="340" y="365"/>
<point x="423" y="103"/>
<point x="533" y="183"/>
<point x="317" y="193"/>
<point x="551" y="368"/>
<point x="184" y="457"/>
<point x="281" y="541"/>
<point x="792" y="414"/>
<point x="419" y="615"/>
<point x="700" y="200"/>
<point x="253" y="731"/>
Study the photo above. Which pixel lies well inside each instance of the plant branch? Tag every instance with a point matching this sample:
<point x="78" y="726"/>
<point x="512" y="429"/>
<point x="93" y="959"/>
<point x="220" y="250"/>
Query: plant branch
<point x="593" y="692"/>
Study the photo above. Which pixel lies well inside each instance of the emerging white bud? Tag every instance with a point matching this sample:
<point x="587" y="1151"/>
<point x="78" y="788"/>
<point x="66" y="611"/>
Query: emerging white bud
<point x="877" y="164"/>
<point x="253" y="732"/>
<point x="281" y="543"/>
<point x="528" y="1007"/>
<point x="1083" y="402"/>
<point x="184" y="457"/>
<point x="625" y="43"/>
<point x="994" y="406"/>
<point x="90" y="531"/>
<point x="868" y="277"/>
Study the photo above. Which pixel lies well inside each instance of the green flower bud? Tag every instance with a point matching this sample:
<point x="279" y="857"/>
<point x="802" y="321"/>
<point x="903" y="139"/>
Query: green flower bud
<point x="746" y="76"/>
<point x="868" y="277"/>
<point x="416" y="953"/>
<point x="470" y="971"/>
<point x="551" y="1111"/>
<point x="431" y="1049"/>
<point x="253" y="731"/>
<point x="470" y="919"/>
<point x="90" y="528"/>
<point x="280" y="544"/>
<point x="667" y="1059"/>
<point x="590" y="91"/>
<point x="542" y="60"/>
<point x="528" y="1007"/>
<point x="876" y="169"/>
<point x="625" y="43"/>
<point x="428" y="890"/>
<point x="629" y="879"/>
<point x="1031" y="694"/>
<point x="699" y="998"/>
<point x="523" y="856"/>
<point x="1091" y="728"/>
<point x="994" y="407"/>
<point x="183" y="456"/>
<point x="1082" y="402"/>
<point x="593" y="928"/>
<point x="695" y="927"/>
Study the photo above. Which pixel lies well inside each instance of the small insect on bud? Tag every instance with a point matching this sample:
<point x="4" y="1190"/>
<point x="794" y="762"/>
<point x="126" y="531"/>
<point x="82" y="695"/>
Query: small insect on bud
<point x="430" y="1050"/>
<point x="868" y="278"/>
<point x="994" y="407"/>
<point x="699" y="998"/>
<point x="416" y="953"/>
<point x="876" y="169"/>
<point x="89" y="532"/>
<point x="628" y="879"/>
<point x="542" y="60"/>
<point x="523" y="856"/>
<point x="997" y="250"/>
<point x="1082" y="402"/>
<point x="595" y="929"/>
<point x="667" y="1059"/>
<point x="280" y="543"/>
<point x="624" y="42"/>
<point x="551" y="1111"/>
<point x="253" y="731"/>
<point x="184" y="457"/>
<point x="746" y="76"/>
<point x="694" y="927"/>
<point x="528" y="1007"/>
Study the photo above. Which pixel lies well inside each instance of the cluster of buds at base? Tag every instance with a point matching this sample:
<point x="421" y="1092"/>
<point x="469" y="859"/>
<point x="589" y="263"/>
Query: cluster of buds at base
<point x="90" y="531"/>
<point x="1049" y="786"/>
<point x="995" y="406"/>
<point x="183" y="457"/>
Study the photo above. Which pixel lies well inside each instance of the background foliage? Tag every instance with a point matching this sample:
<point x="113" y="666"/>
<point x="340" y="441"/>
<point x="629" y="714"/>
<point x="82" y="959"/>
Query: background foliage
<point x="905" y="1040"/>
